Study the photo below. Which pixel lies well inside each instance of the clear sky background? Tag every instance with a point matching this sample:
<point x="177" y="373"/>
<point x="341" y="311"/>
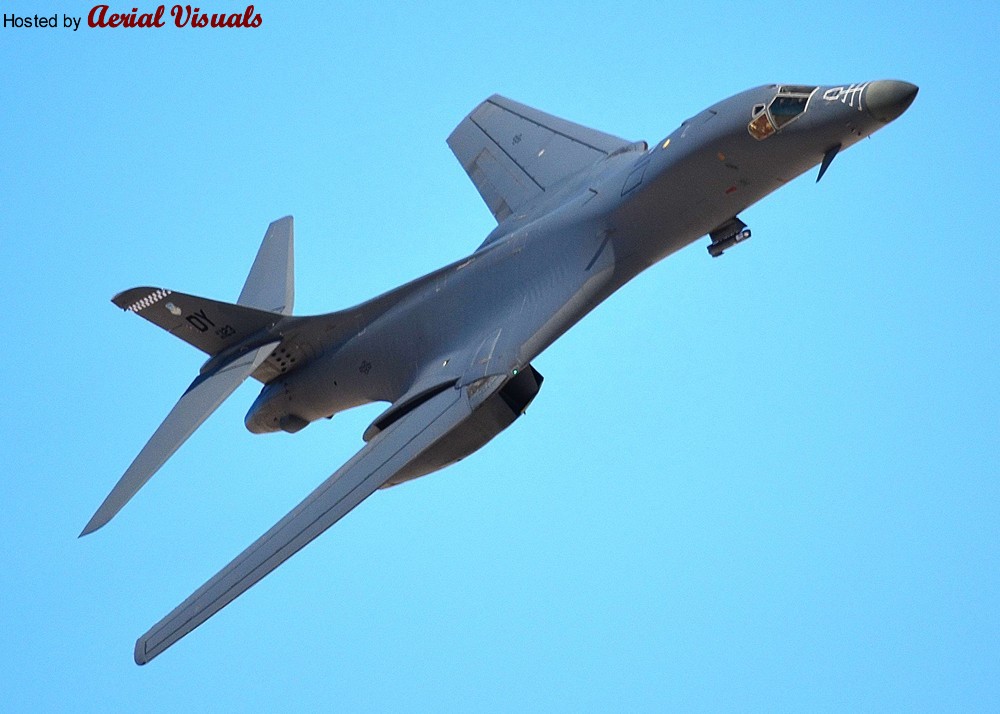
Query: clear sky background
<point x="764" y="482"/>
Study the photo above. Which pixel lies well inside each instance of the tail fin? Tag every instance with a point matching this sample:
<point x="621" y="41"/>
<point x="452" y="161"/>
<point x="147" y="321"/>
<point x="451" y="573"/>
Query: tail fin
<point x="214" y="326"/>
<point x="271" y="283"/>
<point x="209" y="325"/>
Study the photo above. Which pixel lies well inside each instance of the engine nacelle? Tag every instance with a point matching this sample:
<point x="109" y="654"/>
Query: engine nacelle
<point x="489" y="419"/>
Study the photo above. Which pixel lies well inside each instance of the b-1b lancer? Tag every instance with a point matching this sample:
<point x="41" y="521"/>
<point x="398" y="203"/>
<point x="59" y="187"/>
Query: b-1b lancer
<point x="579" y="214"/>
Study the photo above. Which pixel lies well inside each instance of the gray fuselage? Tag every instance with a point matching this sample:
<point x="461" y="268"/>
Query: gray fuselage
<point x="541" y="270"/>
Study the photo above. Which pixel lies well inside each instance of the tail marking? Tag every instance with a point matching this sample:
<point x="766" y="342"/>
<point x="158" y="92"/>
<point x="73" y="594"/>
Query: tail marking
<point x="151" y="299"/>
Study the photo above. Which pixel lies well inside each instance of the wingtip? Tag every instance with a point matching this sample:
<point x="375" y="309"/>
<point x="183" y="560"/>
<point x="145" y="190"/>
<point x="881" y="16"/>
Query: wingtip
<point x="140" y="652"/>
<point x="96" y="522"/>
<point x="88" y="529"/>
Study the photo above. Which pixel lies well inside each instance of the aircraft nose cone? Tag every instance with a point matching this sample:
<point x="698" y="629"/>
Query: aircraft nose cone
<point x="886" y="99"/>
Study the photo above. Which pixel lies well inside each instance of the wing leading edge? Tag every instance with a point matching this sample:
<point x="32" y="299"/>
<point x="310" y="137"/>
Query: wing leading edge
<point x="384" y="456"/>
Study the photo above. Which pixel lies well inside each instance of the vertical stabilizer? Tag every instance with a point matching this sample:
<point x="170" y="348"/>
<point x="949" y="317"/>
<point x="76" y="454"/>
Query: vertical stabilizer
<point x="271" y="283"/>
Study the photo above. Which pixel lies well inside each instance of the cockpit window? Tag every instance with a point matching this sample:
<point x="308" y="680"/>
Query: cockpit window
<point x="788" y="104"/>
<point x="785" y="108"/>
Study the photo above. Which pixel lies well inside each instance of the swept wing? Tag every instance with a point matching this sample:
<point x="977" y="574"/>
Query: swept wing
<point x="385" y="455"/>
<point x="514" y="153"/>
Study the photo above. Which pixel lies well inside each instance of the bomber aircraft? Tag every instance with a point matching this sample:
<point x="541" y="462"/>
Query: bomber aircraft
<point x="579" y="214"/>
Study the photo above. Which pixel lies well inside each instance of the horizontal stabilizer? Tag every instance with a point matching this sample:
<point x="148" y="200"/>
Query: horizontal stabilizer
<point x="385" y="455"/>
<point x="513" y="153"/>
<point x="209" y="325"/>
<point x="202" y="398"/>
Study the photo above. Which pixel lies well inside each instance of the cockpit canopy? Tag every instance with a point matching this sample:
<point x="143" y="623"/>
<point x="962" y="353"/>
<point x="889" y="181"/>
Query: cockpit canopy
<point x="787" y="106"/>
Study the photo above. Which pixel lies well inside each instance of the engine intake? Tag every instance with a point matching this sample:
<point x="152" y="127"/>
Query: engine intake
<point x="490" y="418"/>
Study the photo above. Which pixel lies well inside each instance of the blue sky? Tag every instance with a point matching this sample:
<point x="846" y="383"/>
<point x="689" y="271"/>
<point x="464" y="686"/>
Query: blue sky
<point x="766" y="482"/>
